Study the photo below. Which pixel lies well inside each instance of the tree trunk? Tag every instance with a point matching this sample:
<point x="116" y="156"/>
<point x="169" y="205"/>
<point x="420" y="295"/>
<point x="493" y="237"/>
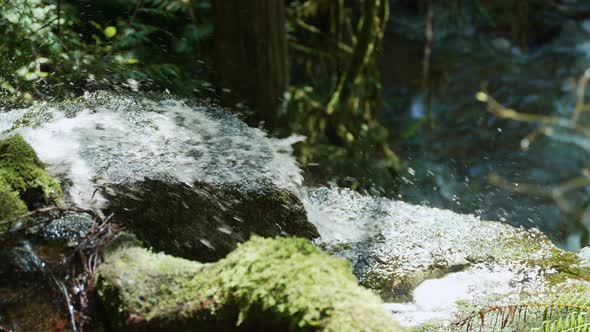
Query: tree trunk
<point x="251" y="54"/>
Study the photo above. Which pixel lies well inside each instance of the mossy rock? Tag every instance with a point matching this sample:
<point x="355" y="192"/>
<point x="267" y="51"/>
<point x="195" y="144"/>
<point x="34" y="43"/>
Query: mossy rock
<point x="434" y="264"/>
<point x="282" y="284"/>
<point x="397" y="246"/>
<point x="11" y="205"/>
<point x="24" y="184"/>
<point x="188" y="178"/>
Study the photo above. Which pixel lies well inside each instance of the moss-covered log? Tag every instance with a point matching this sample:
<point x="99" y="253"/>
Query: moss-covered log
<point x="283" y="284"/>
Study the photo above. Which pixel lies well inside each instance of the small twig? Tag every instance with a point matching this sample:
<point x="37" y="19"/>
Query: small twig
<point x="88" y="252"/>
<point x="45" y="210"/>
<point x="70" y="307"/>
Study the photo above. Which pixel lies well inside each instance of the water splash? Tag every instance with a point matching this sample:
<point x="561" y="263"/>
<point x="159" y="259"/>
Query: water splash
<point x="108" y="138"/>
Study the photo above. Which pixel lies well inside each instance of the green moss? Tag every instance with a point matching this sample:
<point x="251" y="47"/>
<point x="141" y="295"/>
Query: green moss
<point x="21" y="169"/>
<point x="23" y="180"/>
<point x="567" y="265"/>
<point x="10" y="203"/>
<point x="283" y="284"/>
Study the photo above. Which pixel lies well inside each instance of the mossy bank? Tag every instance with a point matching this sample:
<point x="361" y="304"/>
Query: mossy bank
<point x="24" y="184"/>
<point x="284" y="284"/>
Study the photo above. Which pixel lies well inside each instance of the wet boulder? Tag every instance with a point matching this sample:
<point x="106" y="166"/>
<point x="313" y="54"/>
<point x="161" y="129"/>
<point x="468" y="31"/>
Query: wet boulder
<point x="205" y="221"/>
<point x="282" y="284"/>
<point x="433" y="264"/>
<point x="187" y="178"/>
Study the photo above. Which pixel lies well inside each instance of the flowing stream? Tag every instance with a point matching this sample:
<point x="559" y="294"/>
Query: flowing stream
<point x="447" y="164"/>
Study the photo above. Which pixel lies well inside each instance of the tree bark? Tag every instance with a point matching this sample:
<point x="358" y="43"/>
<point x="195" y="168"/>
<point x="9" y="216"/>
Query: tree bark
<point x="251" y="54"/>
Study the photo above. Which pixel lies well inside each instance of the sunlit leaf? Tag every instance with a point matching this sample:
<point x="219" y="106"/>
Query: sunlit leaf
<point x="110" y="32"/>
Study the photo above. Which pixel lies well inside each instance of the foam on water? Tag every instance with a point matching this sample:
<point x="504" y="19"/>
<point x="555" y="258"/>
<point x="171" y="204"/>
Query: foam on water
<point x="439" y="299"/>
<point x="8" y="118"/>
<point x="417" y="235"/>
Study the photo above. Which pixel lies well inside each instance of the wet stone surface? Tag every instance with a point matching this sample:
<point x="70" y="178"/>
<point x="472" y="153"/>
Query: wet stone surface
<point x="425" y="261"/>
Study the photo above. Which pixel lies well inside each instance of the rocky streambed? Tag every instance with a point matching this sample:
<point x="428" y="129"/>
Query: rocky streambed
<point x="191" y="182"/>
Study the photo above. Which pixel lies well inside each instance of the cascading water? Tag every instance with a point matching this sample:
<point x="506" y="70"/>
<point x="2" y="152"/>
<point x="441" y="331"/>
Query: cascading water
<point x="114" y="138"/>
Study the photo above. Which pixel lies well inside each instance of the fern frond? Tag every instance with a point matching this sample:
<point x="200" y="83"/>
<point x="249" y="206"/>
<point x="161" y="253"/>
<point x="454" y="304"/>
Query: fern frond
<point x="573" y="322"/>
<point x="568" y="310"/>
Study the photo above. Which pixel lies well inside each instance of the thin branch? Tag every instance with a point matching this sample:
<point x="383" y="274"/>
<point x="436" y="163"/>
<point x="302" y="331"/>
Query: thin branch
<point x="580" y="95"/>
<point x="501" y="111"/>
<point x="427" y="47"/>
<point x="316" y="31"/>
<point x="69" y="305"/>
<point x="519" y="188"/>
<point x="426" y="61"/>
<point x="557" y="193"/>
<point x="362" y="52"/>
<point x="45" y="25"/>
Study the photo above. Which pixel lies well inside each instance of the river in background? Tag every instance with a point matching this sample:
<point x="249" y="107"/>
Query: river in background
<point x="447" y="163"/>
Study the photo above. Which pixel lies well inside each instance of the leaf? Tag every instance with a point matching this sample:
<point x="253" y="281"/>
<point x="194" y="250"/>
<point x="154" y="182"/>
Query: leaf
<point x="110" y="32"/>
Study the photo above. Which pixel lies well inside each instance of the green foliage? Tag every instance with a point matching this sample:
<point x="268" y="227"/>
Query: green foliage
<point x="568" y="312"/>
<point x="27" y="39"/>
<point x="166" y="44"/>
<point x="337" y="106"/>
<point x="52" y="51"/>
